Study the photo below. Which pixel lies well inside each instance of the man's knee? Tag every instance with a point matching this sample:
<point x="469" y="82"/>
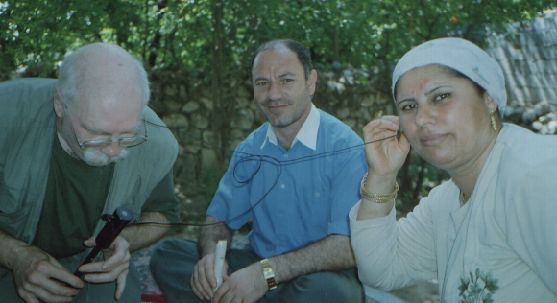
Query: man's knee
<point x="328" y="287"/>
<point x="172" y="263"/>
<point x="169" y="253"/>
<point x="100" y="292"/>
<point x="104" y="292"/>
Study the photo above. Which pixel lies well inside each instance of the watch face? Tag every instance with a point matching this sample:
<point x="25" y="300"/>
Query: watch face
<point x="269" y="274"/>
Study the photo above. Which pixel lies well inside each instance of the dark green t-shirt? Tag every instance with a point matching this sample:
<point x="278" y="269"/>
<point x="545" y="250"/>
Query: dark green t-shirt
<point x="74" y="200"/>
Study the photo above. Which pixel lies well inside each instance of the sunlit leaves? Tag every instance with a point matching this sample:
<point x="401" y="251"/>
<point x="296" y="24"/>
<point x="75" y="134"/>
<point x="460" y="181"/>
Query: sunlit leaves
<point x="371" y="34"/>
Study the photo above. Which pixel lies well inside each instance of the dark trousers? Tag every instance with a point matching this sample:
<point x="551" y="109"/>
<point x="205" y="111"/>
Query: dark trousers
<point x="173" y="262"/>
<point x="91" y="293"/>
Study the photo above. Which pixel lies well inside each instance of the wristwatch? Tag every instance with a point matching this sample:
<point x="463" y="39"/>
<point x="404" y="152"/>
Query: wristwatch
<point x="268" y="274"/>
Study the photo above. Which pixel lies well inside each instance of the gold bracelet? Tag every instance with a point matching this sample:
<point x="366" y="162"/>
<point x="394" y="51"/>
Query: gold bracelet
<point x="377" y="198"/>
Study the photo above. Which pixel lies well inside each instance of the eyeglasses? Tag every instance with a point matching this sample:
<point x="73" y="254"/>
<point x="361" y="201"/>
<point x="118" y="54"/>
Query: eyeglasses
<point x="124" y="142"/>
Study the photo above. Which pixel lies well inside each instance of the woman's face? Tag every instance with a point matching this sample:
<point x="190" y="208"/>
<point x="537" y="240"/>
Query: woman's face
<point x="445" y="117"/>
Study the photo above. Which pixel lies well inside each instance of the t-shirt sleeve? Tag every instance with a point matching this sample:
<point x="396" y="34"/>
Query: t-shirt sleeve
<point x="391" y="254"/>
<point x="164" y="200"/>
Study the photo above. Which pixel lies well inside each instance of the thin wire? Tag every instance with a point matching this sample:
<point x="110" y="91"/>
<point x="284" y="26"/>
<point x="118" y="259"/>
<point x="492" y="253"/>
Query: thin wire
<point x="278" y="164"/>
<point x="164" y="126"/>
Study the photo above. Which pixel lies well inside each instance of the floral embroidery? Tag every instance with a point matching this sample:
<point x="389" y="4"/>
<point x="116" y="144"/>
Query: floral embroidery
<point x="479" y="287"/>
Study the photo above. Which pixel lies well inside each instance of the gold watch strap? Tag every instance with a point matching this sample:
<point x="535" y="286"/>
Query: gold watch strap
<point x="268" y="274"/>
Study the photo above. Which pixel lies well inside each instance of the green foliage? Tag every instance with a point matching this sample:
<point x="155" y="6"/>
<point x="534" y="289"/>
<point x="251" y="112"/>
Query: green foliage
<point x="211" y="42"/>
<point x="370" y="34"/>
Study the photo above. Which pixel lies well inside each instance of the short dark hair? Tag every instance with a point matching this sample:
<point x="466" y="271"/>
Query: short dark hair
<point x="302" y="53"/>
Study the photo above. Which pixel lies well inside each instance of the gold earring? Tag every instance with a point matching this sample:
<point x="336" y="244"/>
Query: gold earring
<point x="493" y="121"/>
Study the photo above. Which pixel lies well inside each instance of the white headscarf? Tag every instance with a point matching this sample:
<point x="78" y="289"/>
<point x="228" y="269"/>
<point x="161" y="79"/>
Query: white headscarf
<point x="462" y="56"/>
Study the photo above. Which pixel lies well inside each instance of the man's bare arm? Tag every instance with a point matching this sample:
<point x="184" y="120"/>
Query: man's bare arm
<point x="10" y="249"/>
<point x="37" y="275"/>
<point x="331" y="253"/>
<point x="203" y="280"/>
<point x="211" y="233"/>
<point x="140" y="236"/>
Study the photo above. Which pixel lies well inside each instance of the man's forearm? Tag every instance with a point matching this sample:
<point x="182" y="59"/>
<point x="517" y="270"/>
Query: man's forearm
<point x="213" y="231"/>
<point x="10" y="249"/>
<point x="332" y="253"/>
<point x="140" y="236"/>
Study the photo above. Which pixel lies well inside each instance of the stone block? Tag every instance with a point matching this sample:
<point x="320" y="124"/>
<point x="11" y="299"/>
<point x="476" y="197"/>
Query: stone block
<point x="199" y="120"/>
<point x="209" y="162"/>
<point x="243" y="119"/>
<point x="176" y="120"/>
<point x="190" y="107"/>
<point x="211" y="139"/>
<point x="343" y="113"/>
<point x="192" y="140"/>
<point x="207" y="103"/>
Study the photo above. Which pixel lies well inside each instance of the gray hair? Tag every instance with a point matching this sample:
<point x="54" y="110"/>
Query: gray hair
<point x="69" y="76"/>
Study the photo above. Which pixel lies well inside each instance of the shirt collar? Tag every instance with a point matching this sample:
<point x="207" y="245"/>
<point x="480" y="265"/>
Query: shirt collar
<point x="307" y="135"/>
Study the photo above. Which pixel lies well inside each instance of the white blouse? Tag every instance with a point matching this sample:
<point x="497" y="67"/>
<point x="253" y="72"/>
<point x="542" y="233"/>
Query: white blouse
<point x="507" y="229"/>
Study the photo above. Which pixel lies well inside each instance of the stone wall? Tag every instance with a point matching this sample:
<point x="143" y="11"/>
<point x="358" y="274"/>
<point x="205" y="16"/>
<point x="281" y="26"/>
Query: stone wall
<point x="527" y="53"/>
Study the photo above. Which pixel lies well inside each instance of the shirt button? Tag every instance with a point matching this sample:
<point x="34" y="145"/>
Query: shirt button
<point x="282" y="186"/>
<point x="285" y="156"/>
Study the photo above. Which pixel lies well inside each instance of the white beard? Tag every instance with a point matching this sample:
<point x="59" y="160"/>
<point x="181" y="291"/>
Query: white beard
<point x="98" y="158"/>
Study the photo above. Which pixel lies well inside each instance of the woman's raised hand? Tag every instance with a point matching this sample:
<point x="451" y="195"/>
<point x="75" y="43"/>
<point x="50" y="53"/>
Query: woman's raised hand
<point x="384" y="157"/>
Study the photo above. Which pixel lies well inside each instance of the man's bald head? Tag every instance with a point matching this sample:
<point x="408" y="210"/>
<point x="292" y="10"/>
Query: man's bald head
<point x="100" y="97"/>
<point x="101" y="69"/>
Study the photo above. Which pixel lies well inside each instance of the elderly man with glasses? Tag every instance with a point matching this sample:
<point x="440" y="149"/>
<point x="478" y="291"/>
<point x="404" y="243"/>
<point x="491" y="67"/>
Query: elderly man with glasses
<point x="72" y="150"/>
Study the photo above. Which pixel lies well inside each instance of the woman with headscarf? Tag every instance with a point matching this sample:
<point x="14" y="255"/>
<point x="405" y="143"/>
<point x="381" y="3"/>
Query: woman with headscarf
<point x="488" y="233"/>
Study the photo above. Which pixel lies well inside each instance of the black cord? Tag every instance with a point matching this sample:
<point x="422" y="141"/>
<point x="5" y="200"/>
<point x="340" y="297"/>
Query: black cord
<point x="278" y="164"/>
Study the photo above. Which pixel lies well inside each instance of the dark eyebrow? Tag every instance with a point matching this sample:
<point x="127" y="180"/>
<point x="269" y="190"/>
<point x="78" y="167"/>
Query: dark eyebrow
<point x="433" y="90"/>
<point x="427" y="93"/>
<point x="404" y="100"/>
<point x="287" y="74"/>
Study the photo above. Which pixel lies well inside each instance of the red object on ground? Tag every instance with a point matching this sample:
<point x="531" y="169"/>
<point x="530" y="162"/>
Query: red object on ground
<point x="152" y="298"/>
